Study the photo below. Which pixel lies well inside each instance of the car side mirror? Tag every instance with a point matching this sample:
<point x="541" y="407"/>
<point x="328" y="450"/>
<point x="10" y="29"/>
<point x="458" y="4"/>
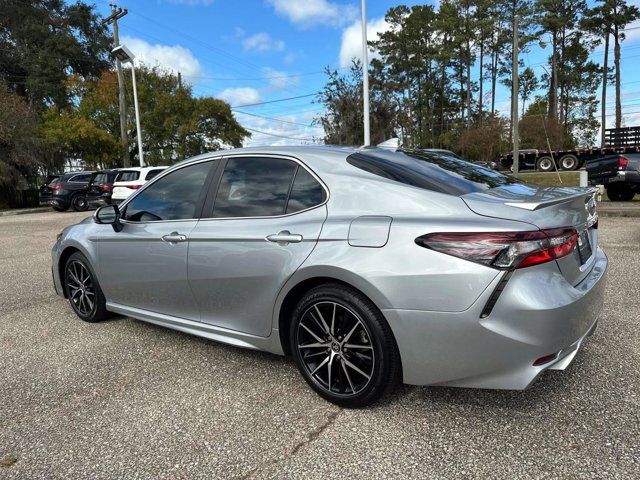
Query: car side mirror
<point x="108" y="215"/>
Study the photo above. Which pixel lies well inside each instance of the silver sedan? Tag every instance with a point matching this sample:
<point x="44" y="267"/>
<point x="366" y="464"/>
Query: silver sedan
<point x="367" y="266"/>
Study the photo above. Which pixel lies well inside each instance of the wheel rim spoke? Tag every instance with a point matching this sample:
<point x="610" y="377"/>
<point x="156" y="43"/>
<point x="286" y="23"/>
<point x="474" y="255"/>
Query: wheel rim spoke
<point x="80" y="287"/>
<point x="341" y="363"/>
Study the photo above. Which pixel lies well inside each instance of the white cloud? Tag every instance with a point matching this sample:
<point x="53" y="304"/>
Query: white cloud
<point x="308" y="13"/>
<point x="280" y="80"/>
<point x="172" y="58"/>
<point x="262" y="42"/>
<point x="351" y="46"/>
<point x="240" y="95"/>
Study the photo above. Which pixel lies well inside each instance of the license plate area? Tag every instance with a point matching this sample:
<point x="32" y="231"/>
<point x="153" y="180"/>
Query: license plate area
<point x="584" y="246"/>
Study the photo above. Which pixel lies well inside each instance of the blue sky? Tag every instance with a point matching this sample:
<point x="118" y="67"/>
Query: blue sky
<point x="252" y="51"/>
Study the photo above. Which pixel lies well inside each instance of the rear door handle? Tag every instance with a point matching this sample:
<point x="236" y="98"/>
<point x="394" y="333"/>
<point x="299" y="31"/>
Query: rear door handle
<point x="284" y="237"/>
<point x="174" y="237"/>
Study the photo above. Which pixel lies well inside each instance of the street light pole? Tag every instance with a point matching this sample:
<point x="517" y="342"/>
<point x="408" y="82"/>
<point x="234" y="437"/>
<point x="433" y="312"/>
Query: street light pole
<point x="135" y="103"/>
<point x="123" y="54"/>
<point x="365" y="76"/>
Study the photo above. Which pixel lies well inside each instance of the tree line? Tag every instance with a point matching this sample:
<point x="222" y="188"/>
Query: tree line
<point x="438" y="70"/>
<point x="59" y="101"/>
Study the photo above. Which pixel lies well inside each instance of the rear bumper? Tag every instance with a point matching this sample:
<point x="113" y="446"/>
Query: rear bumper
<point x="538" y="314"/>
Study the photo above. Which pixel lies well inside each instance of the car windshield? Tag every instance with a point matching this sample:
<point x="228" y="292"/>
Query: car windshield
<point x="430" y="171"/>
<point x="128" y="176"/>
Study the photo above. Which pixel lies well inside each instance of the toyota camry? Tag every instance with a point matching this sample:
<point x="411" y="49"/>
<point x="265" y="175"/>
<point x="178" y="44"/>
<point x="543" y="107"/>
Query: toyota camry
<point x="368" y="266"/>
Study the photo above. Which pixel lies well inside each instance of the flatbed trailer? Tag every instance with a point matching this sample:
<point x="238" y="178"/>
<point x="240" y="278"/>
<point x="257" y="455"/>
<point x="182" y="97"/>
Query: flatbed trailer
<point x="617" y="140"/>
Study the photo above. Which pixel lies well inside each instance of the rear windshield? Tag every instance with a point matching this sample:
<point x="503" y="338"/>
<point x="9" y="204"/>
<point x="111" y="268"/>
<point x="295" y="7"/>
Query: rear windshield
<point x="153" y="173"/>
<point x="100" y="178"/>
<point x="430" y="171"/>
<point x="128" y="176"/>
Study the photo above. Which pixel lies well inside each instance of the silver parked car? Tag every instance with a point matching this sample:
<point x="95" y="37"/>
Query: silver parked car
<point x="366" y="265"/>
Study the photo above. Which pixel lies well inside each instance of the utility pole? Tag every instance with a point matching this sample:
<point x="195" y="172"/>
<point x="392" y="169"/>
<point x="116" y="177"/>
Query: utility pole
<point x="116" y="14"/>
<point x="365" y="76"/>
<point x="514" y="100"/>
<point x="180" y="80"/>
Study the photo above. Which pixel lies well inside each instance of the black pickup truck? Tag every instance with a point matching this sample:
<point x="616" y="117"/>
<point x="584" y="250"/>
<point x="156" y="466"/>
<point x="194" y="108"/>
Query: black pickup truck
<point x="619" y="173"/>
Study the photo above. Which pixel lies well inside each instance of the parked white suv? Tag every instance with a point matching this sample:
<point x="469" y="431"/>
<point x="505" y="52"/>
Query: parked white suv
<point x="131" y="179"/>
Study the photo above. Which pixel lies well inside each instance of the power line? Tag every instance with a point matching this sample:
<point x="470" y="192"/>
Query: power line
<point x="274" y="101"/>
<point x="302" y="139"/>
<point x="273" y="118"/>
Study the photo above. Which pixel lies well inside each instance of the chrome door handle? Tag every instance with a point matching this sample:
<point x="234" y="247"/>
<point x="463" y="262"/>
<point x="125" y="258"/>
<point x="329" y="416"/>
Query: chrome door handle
<point x="284" y="237"/>
<point x="174" y="237"/>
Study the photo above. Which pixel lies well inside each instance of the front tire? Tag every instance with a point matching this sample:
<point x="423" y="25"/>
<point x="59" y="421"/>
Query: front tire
<point x="343" y="346"/>
<point x="82" y="289"/>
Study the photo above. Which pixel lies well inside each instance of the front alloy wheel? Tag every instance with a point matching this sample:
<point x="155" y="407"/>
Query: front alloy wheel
<point x="343" y="346"/>
<point x="82" y="289"/>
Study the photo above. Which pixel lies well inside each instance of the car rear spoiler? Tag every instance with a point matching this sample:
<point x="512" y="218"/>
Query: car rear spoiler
<point x="547" y="203"/>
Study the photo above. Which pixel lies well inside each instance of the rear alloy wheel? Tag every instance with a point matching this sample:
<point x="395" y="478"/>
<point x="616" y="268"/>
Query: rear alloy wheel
<point x="79" y="203"/>
<point x="343" y="346"/>
<point x="82" y="289"/>
<point x="544" y="164"/>
<point x="569" y="162"/>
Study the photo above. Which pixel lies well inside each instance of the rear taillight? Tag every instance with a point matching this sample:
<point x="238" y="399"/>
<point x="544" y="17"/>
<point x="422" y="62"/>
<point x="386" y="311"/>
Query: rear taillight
<point x="105" y="188"/>
<point x="622" y="163"/>
<point x="57" y="186"/>
<point x="504" y="250"/>
<point x="134" y="187"/>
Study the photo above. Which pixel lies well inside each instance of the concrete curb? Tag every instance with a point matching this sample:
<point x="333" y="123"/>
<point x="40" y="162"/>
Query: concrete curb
<point x="619" y="213"/>
<point x="24" y="211"/>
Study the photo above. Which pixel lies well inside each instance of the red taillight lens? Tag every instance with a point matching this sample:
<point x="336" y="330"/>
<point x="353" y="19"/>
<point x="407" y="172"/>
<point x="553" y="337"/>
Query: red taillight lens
<point x="504" y="250"/>
<point x="105" y="188"/>
<point x="57" y="186"/>
<point x="622" y="163"/>
<point x="134" y="187"/>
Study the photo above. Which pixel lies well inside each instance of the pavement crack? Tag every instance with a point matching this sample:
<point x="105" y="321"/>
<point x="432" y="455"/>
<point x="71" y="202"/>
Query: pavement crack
<point x="311" y="436"/>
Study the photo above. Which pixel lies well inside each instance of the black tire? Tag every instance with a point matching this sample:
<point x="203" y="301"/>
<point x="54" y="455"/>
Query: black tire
<point x="79" y="202"/>
<point x="60" y="209"/>
<point x="627" y="195"/>
<point x="545" y="164"/>
<point x="83" y="290"/>
<point x="359" y="328"/>
<point x="616" y="193"/>
<point x="569" y="162"/>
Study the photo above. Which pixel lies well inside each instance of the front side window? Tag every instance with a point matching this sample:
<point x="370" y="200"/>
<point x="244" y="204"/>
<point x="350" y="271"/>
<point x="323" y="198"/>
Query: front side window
<point x="173" y="197"/>
<point x="254" y="187"/>
<point x="80" y="178"/>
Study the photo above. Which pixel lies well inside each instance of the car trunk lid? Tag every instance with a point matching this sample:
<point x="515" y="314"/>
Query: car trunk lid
<point x="546" y="208"/>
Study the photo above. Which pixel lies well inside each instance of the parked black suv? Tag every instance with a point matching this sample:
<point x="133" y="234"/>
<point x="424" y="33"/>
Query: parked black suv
<point x="69" y="190"/>
<point x="620" y="175"/>
<point x="101" y="188"/>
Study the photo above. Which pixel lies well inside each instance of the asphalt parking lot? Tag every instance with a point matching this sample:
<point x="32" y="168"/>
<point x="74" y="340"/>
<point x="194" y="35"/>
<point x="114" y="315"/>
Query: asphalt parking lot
<point x="128" y="399"/>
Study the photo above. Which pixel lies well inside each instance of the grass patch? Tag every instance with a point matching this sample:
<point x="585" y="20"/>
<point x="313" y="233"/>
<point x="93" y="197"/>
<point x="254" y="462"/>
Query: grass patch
<point x="550" y="179"/>
<point x="8" y="461"/>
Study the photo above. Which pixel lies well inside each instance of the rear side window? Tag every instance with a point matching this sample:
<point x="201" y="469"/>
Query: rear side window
<point x="153" y="173"/>
<point x="305" y="193"/>
<point x="430" y="171"/>
<point x="173" y="197"/>
<point x="128" y="176"/>
<point x="254" y="187"/>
